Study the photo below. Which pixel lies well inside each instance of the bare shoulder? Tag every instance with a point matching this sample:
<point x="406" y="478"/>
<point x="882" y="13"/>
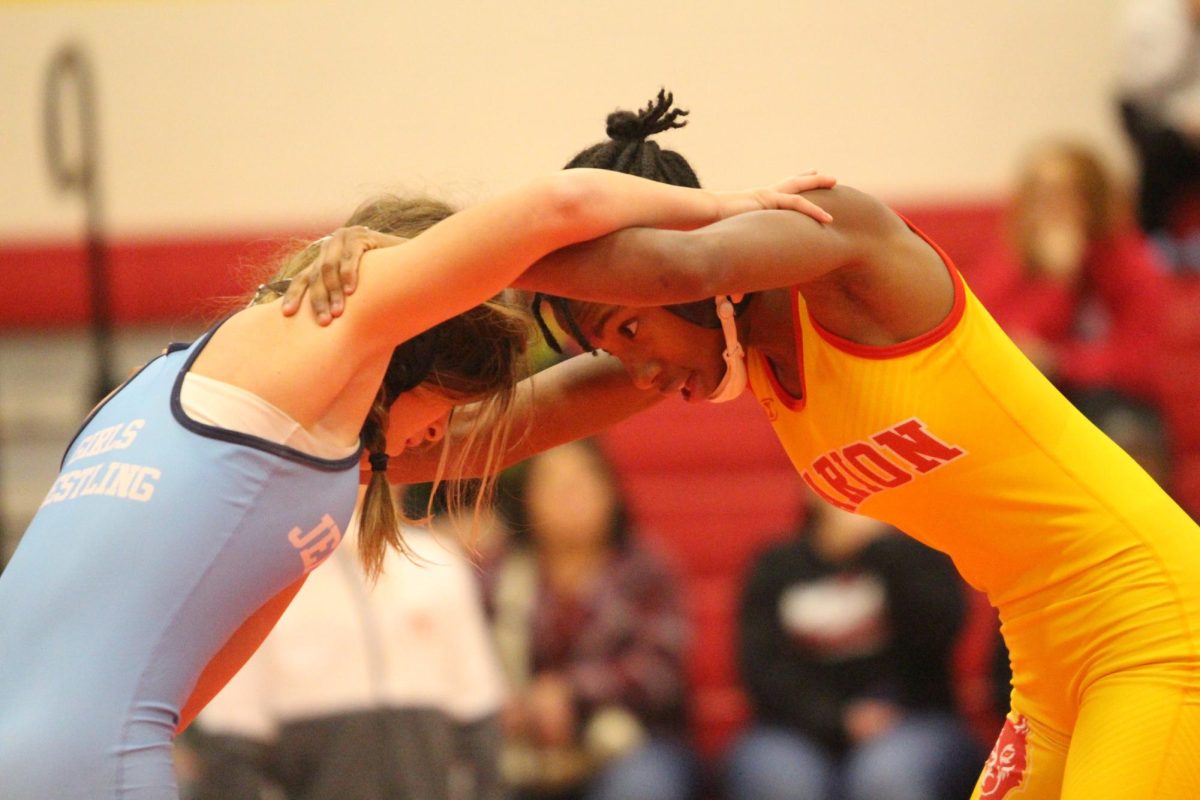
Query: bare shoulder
<point x="865" y="228"/>
<point x="856" y="213"/>
<point x="895" y="287"/>
<point x="882" y="242"/>
<point x="310" y="372"/>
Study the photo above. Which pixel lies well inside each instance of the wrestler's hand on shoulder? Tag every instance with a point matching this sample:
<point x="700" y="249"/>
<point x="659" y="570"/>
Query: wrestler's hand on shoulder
<point x="334" y="274"/>
<point x="785" y="195"/>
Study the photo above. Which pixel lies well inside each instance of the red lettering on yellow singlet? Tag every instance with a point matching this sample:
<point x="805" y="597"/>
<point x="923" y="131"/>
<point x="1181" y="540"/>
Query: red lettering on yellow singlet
<point x="914" y="444"/>
<point x="837" y="459"/>
<point x="824" y="495"/>
<point x="851" y="474"/>
<point x="838" y="480"/>
<point x="880" y="469"/>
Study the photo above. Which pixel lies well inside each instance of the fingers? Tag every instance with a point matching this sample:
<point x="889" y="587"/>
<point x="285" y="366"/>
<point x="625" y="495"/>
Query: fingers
<point x="335" y="266"/>
<point x="329" y="275"/>
<point x="804" y="182"/>
<point x="297" y="289"/>
<point x="785" y="194"/>
<point x="318" y="292"/>
<point x="812" y="209"/>
<point x="348" y="269"/>
<point x="795" y="202"/>
<point x="333" y="274"/>
<point x="355" y="241"/>
<point x="359" y="240"/>
<point x="292" y="297"/>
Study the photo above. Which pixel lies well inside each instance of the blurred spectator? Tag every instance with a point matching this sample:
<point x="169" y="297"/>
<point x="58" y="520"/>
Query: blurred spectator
<point x="1074" y="283"/>
<point x="593" y="638"/>
<point x="365" y="693"/>
<point x="845" y="640"/>
<point x="1159" y="86"/>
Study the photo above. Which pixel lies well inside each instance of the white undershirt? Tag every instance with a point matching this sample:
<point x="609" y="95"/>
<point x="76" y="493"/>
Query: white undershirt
<point x="223" y="405"/>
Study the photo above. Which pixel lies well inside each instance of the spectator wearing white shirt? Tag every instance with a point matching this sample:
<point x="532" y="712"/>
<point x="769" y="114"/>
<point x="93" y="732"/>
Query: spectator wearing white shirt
<point x="390" y="691"/>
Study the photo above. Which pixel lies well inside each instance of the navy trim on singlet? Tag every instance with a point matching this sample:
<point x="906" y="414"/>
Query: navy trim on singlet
<point x="211" y="431"/>
<point x="62" y="462"/>
<point x="246" y="439"/>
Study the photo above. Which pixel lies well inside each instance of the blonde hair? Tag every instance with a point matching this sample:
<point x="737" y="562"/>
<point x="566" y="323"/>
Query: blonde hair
<point x="479" y="356"/>
<point x="1092" y="180"/>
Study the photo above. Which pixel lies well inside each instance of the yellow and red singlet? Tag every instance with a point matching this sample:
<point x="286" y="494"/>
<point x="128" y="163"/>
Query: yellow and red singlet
<point x="957" y="439"/>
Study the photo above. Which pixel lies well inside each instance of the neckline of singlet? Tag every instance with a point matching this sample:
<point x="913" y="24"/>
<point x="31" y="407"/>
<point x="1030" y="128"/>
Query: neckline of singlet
<point x="216" y="403"/>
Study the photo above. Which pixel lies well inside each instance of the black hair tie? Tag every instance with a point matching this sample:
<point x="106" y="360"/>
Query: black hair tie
<point x="379" y="462"/>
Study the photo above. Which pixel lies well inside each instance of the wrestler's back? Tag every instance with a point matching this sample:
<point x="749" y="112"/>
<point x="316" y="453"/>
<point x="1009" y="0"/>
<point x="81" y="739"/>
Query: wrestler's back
<point x="155" y="543"/>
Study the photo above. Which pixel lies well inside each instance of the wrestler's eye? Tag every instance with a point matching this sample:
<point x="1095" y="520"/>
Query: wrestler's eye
<point x="628" y="329"/>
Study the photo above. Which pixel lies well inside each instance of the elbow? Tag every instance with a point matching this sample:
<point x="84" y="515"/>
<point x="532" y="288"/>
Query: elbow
<point x="699" y="270"/>
<point x="676" y="267"/>
<point x="567" y="203"/>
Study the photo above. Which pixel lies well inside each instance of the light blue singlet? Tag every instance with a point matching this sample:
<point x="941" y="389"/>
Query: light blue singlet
<point x="158" y="539"/>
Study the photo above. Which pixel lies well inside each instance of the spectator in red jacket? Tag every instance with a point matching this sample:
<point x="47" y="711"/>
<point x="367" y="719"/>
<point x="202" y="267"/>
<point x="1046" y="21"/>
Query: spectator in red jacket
<point x="1074" y="282"/>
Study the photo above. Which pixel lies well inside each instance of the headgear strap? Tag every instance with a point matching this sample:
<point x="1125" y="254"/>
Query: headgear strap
<point x="563" y="307"/>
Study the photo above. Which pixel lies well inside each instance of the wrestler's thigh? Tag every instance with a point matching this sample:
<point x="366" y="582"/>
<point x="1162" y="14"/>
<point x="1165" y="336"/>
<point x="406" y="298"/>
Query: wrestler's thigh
<point x="1137" y="737"/>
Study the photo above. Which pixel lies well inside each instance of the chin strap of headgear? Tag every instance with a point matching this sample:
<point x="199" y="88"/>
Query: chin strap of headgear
<point x="735" y="379"/>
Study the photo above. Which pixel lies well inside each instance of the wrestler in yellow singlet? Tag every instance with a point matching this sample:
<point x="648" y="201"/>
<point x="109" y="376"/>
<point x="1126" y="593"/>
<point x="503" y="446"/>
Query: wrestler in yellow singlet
<point x="951" y="435"/>
<point x="958" y="440"/>
<point x="943" y="429"/>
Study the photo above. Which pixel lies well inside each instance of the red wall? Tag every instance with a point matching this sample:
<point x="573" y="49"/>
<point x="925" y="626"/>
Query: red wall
<point x="167" y="279"/>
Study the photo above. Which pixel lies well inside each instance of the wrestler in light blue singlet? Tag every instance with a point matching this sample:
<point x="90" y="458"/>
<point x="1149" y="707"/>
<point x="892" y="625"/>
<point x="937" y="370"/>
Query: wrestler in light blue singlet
<point x="158" y="539"/>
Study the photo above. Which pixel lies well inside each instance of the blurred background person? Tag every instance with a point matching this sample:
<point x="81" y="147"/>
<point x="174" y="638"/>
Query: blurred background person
<point x="389" y="691"/>
<point x="1075" y="284"/>
<point x="593" y="638"/>
<point x="845" y="640"/>
<point x="1159" y="94"/>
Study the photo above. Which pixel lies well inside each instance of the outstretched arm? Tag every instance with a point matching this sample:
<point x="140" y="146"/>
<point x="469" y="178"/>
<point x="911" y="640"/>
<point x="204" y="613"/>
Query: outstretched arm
<point x="867" y="276"/>
<point x="334" y="274"/>
<point x="747" y="253"/>
<point x="455" y="265"/>
<point x="576" y="398"/>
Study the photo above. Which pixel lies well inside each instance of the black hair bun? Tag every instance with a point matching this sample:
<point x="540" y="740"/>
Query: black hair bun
<point x="656" y="117"/>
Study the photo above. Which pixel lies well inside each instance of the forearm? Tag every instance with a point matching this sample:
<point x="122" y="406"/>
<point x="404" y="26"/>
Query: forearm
<point x="634" y="266"/>
<point x="571" y="400"/>
<point x="612" y="201"/>
<point x="743" y="253"/>
<point x="474" y="254"/>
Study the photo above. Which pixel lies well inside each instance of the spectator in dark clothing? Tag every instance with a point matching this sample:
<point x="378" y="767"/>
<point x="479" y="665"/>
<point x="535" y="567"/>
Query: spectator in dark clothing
<point x="592" y="635"/>
<point x="845" y="639"/>
<point x="1158" y="72"/>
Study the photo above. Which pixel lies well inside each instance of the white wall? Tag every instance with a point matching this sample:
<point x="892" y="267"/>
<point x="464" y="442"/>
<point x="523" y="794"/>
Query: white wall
<point x="222" y="115"/>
